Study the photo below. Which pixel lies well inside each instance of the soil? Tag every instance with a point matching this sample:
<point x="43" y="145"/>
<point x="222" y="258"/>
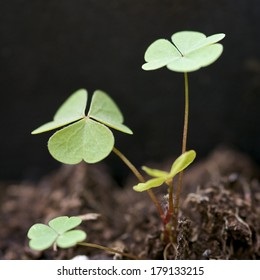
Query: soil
<point x="219" y="215"/>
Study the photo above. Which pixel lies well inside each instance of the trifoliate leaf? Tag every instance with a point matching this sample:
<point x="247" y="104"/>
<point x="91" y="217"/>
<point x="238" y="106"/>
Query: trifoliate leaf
<point x="59" y="231"/>
<point x="188" y="51"/>
<point x="85" y="140"/>
<point x="85" y="137"/>
<point x="70" y="111"/>
<point x="105" y="110"/>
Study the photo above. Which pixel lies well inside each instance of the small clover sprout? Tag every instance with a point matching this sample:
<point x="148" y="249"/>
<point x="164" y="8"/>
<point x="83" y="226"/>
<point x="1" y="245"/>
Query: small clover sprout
<point x="161" y="177"/>
<point x="58" y="232"/>
<point x="87" y="137"/>
<point x="188" y="51"/>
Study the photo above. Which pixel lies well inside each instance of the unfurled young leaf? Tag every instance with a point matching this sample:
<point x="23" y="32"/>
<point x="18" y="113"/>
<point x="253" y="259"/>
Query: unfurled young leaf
<point x="152" y="183"/>
<point x="188" y="51"/>
<point x="84" y="137"/>
<point x="58" y="231"/>
<point x="182" y="162"/>
<point x="160" y="176"/>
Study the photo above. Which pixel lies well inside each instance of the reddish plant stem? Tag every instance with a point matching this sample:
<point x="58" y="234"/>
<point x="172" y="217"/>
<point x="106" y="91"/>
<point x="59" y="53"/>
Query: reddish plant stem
<point x="170" y="209"/>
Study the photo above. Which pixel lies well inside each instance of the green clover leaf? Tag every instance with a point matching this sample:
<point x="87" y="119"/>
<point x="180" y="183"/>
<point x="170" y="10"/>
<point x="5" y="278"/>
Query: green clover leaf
<point x="58" y="231"/>
<point x="188" y="51"/>
<point x="84" y="137"/>
<point x="160" y="176"/>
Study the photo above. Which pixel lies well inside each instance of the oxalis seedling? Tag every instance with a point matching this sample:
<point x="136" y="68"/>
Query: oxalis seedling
<point x="82" y="137"/>
<point x="88" y="137"/>
<point x="188" y="51"/>
<point x="58" y="232"/>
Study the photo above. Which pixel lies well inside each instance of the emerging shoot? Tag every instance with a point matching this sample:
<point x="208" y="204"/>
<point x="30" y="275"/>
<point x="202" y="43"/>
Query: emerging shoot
<point x="187" y="51"/>
<point x="161" y="176"/>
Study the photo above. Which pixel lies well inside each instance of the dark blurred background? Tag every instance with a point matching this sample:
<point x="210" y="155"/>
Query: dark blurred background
<point x="50" y="48"/>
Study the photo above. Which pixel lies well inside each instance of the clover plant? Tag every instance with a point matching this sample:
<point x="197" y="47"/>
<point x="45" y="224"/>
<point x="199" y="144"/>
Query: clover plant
<point x="187" y="51"/>
<point x="88" y="137"/>
<point x="58" y="232"/>
<point x="82" y="137"/>
<point x="85" y="137"/>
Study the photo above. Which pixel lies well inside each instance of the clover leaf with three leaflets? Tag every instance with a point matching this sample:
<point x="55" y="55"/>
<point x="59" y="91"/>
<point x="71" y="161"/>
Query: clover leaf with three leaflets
<point x="58" y="231"/>
<point x="188" y="51"/>
<point x="160" y="176"/>
<point x="84" y="137"/>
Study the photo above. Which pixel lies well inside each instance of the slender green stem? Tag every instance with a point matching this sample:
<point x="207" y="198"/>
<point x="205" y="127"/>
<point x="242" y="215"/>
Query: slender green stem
<point x="110" y="250"/>
<point x="186" y="114"/>
<point x="140" y="177"/>
<point x="184" y="146"/>
<point x="129" y="164"/>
